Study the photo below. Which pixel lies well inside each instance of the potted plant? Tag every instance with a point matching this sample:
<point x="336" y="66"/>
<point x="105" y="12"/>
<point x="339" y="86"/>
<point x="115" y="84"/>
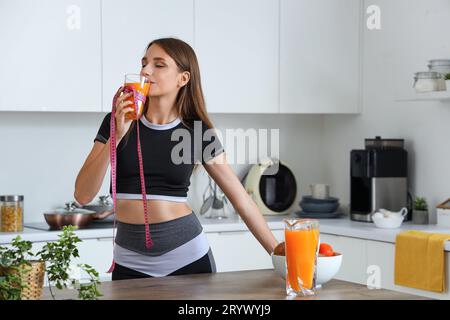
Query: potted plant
<point x="20" y="276"/>
<point x="420" y="211"/>
<point x="58" y="256"/>
<point x="54" y="259"/>
<point x="11" y="286"/>
<point x="447" y="81"/>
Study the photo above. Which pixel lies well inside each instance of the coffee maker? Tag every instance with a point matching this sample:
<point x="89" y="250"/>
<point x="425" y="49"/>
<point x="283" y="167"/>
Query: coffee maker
<point x="378" y="178"/>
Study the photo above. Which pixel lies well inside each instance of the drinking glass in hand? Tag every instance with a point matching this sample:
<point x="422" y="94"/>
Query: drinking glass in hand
<point x="141" y="87"/>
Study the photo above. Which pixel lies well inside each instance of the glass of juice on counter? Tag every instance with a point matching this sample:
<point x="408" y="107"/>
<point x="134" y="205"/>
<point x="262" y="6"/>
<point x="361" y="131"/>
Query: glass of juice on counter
<point x="302" y="245"/>
<point x="141" y="86"/>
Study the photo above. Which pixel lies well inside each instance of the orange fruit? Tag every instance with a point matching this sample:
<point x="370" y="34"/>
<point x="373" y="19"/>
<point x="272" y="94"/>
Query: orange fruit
<point x="326" y="249"/>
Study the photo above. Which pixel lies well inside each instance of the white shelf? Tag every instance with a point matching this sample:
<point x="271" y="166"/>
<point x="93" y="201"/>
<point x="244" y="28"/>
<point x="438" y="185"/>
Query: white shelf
<point x="442" y="96"/>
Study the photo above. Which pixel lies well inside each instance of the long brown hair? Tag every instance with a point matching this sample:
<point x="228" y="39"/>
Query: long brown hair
<point x="190" y="102"/>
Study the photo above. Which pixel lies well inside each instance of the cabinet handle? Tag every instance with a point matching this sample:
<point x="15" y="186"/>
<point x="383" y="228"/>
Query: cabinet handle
<point x="104" y="239"/>
<point x="231" y="232"/>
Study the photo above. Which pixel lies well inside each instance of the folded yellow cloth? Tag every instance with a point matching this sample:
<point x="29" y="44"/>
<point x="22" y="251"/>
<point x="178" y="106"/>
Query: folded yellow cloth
<point x="419" y="260"/>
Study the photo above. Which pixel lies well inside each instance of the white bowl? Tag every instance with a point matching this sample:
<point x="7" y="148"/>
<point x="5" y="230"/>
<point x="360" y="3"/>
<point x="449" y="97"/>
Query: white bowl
<point x="327" y="267"/>
<point x="392" y="222"/>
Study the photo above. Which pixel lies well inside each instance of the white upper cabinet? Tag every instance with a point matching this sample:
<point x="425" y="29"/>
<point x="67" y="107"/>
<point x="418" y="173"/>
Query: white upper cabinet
<point x="50" y="56"/>
<point x="255" y="56"/>
<point x="237" y="46"/>
<point x="129" y="26"/>
<point x="319" y="56"/>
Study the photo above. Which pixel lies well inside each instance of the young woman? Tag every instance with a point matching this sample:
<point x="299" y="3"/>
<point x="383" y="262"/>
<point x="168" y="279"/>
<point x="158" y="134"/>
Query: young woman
<point x="175" y="101"/>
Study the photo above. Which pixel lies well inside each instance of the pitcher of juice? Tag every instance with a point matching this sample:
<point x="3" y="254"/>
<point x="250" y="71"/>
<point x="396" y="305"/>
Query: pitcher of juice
<point x="140" y="86"/>
<point x="302" y="246"/>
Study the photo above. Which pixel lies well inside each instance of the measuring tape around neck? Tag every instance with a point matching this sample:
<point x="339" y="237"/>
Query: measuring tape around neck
<point x="137" y="97"/>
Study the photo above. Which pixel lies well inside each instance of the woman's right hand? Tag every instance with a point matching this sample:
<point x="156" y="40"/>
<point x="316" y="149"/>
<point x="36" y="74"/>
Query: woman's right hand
<point x="122" y="108"/>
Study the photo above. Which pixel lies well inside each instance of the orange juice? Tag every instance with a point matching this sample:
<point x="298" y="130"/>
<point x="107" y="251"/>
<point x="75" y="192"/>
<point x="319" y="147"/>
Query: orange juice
<point x="141" y="88"/>
<point x="301" y="254"/>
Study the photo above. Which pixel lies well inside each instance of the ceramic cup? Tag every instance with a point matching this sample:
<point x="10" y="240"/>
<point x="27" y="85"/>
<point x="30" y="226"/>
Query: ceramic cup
<point x="320" y="190"/>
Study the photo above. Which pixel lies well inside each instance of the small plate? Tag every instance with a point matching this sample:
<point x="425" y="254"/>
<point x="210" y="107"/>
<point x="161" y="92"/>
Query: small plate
<point x="315" y="200"/>
<point x="318" y="215"/>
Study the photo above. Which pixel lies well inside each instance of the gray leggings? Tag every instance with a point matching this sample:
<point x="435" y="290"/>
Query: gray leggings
<point x="166" y="236"/>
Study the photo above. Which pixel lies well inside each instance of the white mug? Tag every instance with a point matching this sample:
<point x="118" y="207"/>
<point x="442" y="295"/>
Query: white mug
<point x="320" y="190"/>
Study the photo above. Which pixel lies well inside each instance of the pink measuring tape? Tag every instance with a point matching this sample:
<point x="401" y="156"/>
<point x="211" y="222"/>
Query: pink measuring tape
<point x="137" y="97"/>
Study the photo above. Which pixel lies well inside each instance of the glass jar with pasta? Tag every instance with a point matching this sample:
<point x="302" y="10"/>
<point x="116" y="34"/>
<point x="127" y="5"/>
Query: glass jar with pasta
<point x="11" y="213"/>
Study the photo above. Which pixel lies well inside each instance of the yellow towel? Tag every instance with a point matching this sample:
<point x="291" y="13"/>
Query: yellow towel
<point x="419" y="260"/>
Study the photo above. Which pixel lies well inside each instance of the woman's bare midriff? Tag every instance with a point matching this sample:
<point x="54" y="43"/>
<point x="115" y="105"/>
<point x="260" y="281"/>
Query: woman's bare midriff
<point x="132" y="211"/>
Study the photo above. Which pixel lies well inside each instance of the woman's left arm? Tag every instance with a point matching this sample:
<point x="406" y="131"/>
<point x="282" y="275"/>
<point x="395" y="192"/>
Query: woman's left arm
<point x="219" y="169"/>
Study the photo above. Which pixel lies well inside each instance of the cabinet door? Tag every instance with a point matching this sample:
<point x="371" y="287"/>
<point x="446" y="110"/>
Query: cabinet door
<point x="381" y="259"/>
<point x="279" y="235"/>
<point x="97" y="253"/>
<point x="354" y="257"/>
<point x="237" y="47"/>
<point x="319" y="56"/>
<point x="50" y="55"/>
<point x="129" y="26"/>
<point x="237" y="251"/>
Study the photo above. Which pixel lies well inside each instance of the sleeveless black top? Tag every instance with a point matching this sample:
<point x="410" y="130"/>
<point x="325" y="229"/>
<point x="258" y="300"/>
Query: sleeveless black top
<point x="169" y="152"/>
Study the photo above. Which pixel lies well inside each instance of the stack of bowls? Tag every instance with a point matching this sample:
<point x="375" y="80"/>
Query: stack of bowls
<point x="319" y="208"/>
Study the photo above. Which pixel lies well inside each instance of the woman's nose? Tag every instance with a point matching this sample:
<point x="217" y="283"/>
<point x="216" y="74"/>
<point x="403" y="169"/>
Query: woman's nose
<point x="146" y="71"/>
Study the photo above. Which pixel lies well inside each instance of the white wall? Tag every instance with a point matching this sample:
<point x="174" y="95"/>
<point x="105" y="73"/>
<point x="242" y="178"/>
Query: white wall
<point x="41" y="153"/>
<point x="412" y="32"/>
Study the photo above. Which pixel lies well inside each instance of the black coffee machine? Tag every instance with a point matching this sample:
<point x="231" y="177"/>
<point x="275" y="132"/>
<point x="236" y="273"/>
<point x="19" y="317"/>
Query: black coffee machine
<point x="378" y="178"/>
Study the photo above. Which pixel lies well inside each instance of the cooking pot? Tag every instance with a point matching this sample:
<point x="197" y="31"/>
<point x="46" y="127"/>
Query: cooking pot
<point x="70" y="215"/>
<point x="101" y="206"/>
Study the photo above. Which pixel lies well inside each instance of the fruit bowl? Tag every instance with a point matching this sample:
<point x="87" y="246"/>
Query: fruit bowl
<point x="327" y="267"/>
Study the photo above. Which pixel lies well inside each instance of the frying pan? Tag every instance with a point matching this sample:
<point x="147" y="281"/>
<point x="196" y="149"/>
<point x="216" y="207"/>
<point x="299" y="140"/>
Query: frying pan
<point x="70" y="215"/>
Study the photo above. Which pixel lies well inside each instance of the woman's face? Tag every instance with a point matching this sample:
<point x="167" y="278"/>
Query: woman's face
<point x="162" y="72"/>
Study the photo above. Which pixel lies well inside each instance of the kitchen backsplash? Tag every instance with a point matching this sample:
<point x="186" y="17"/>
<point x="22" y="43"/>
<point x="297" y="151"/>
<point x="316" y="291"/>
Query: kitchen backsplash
<point x="43" y="152"/>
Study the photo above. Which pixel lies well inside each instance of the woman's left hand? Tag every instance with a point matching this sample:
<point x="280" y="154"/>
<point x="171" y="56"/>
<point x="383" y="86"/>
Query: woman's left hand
<point x="102" y="215"/>
<point x="279" y="249"/>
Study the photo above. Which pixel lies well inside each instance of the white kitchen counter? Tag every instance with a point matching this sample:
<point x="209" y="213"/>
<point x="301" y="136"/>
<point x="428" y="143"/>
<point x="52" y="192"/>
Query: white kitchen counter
<point x="368" y="231"/>
<point x="341" y="227"/>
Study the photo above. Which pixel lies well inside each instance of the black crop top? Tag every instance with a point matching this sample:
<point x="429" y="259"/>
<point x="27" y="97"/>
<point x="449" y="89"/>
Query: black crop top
<point x="169" y="152"/>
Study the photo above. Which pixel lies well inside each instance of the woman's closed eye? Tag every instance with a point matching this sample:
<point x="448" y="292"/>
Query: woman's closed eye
<point x="157" y="66"/>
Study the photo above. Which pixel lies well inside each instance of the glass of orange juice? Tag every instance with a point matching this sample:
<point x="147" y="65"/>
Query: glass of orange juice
<point x="141" y="86"/>
<point x="302" y="246"/>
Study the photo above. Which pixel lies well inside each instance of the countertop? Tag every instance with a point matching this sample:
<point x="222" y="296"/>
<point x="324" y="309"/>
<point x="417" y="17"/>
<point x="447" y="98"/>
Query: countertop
<point x="341" y="227"/>
<point x="239" y="285"/>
